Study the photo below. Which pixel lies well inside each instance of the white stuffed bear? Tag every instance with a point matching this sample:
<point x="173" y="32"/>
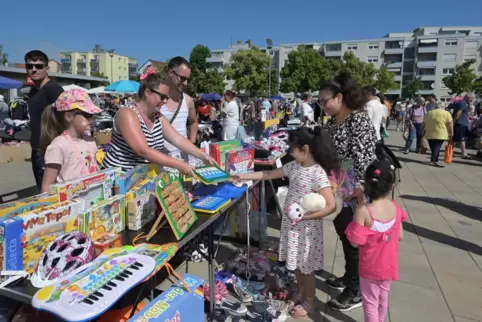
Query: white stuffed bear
<point x="311" y="202"/>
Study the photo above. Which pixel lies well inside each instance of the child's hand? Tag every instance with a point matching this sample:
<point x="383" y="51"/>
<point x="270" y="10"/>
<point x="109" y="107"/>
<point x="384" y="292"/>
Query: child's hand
<point x="237" y="178"/>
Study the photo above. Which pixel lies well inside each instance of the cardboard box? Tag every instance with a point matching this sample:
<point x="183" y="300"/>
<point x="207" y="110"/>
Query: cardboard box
<point x="15" y="152"/>
<point x="130" y="178"/>
<point x="141" y="210"/>
<point x="106" y="217"/>
<point x="9" y="210"/>
<point x="218" y="150"/>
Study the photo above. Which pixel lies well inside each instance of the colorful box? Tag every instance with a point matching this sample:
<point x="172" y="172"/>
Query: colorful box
<point x="218" y="150"/>
<point x="176" y="303"/>
<point x="42" y="226"/>
<point x="92" y="188"/>
<point x="11" y="209"/>
<point x="107" y="217"/>
<point x="11" y="253"/>
<point x="240" y="161"/>
<point x="129" y="179"/>
<point x="106" y="241"/>
<point x="141" y="210"/>
<point x="153" y="170"/>
<point x="146" y="185"/>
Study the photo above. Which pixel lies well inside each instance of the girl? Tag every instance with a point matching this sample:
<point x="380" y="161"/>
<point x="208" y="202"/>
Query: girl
<point x="314" y="156"/>
<point x="376" y="229"/>
<point x="66" y="138"/>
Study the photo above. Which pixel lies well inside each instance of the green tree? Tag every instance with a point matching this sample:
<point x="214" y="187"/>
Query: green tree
<point x="414" y="86"/>
<point x="477" y="86"/>
<point x="198" y="57"/>
<point x="363" y="73"/>
<point x="305" y="69"/>
<point x="275" y="86"/>
<point x="385" y="80"/>
<point x="249" y="70"/>
<point x="463" y="80"/>
<point x="3" y="56"/>
<point x="211" y="81"/>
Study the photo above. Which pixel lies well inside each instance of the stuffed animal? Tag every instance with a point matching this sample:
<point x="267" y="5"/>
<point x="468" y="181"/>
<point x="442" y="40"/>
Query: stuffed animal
<point x="311" y="202"/>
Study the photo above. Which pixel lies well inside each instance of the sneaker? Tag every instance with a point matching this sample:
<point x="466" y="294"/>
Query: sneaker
<point x="233" y="308"/>
<point x="285" y="275"/>
<point x="345" y="302"/>
<point x="467" y="157"/>
<point x="438" y="165"/>
<point x="337" y="283"/>
<point x="406" y="152"/>
<point x="241" y="293"/>
<point x="479" y="154"/>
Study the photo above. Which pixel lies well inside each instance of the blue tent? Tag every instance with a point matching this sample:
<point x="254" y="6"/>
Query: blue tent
<point x="7" y="83"/>
<point x="211" y="97"/>
<point x="123" y="86"/>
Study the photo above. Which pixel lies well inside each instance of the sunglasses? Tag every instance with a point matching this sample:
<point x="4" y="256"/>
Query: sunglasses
<point x="37" y="66"/>
<point x="84" y="114"/>
<point x="163" y="97"/>
<point x="182" y="79"/>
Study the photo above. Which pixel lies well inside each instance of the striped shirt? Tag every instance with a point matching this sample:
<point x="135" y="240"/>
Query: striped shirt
<point x="121" y="155"/>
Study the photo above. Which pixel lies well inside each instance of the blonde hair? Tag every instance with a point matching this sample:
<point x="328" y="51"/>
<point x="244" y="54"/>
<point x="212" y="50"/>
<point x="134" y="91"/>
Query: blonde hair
<point x="441" y="105"/>
<point x="52" y="125"/>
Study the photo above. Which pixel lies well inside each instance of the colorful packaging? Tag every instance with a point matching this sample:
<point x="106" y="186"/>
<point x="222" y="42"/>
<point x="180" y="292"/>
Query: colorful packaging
<point x="176" y="303"/>
<point x="92" y="188"/>
<point x="106" y="241"/>
<point x="9" y="210"/>
<point x="240" y="161"/>
<point x="42" y="226"/>
<point x="146" y="185"/>
<point x="153" y="170"/>
<point x="218" y="150"/>
<point x="107" y="217"/>
<point x="129" y="179"/>
<point x="141" y="210"/>
<point x="11" y="254"/>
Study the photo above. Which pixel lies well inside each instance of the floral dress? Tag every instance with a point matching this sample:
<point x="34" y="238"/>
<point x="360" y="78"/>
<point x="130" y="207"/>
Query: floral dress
<point x="301" y="245"/>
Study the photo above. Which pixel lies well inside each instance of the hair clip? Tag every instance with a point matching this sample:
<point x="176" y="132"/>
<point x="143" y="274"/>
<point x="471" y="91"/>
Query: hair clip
<point x="377" y="172"/>
<point x="149" y="71"/>
<point x="392" y="167"/>
<point x="374" y="180"/>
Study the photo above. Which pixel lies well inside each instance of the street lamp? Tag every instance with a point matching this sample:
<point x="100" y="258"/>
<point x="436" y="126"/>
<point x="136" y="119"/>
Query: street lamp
<point x="269" y="44"/>
<point x="112" y="67"/>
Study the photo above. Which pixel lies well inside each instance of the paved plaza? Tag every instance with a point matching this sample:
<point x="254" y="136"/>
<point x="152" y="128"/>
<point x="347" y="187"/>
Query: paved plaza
<point x="440" y="256"/>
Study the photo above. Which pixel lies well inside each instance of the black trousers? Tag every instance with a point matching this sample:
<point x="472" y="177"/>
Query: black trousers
<point x="38" y="167"/>
<point x="351" y="277"/>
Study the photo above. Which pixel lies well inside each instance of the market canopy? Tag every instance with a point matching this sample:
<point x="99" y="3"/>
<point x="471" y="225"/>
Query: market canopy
<point x="96" y="90"/>
<point x="123" y="86"/>
<point x="7" y="83"/>
<point x="73" y="86"/>
<point x="211" y="97"/>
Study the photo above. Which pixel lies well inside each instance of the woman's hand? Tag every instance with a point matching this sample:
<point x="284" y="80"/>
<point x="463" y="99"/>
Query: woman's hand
<point x="208" y="160"/>
<point x="187" y="170"/>
<point x="237" y="178"/>
<point x="357" y="196"/>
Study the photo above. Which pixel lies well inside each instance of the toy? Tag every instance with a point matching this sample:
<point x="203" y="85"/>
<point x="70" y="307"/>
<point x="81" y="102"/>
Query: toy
<point x="146" y="185"/>
<point x="106" y="241"/>
<point x="141" y="211"/>
<point x="84" y="296"/>
<point x="309" y="203"/>
<point x="107" y="217"/>
<point x="210" y="204"/>
<point x="129" y="179"/>
<point x="218" y="150"/>
<point x="240" y="161"/>
<point x="11" y="209"/>
<point x="11" y="254"/>
<point x="92" y="188"/>
<point x="211" y="174"/>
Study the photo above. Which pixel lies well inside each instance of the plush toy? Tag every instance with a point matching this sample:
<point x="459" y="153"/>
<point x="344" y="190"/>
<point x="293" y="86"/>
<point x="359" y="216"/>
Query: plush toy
<point x="311" y="202"/>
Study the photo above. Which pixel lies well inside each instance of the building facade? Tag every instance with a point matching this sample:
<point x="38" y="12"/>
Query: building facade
<point x="430" y="53"/>
<point x="98" y="62"/>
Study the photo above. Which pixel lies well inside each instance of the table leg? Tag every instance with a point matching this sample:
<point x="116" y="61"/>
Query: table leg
<point x="263" y="220"/>
<point x="278" y="206"/>
<point x="212" y="277"/>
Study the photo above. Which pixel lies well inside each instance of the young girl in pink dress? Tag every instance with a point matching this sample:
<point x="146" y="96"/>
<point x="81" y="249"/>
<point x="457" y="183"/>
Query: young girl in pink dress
<point x="377" y="229"/>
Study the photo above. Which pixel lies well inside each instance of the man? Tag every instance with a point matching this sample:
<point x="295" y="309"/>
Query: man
<point x="376" y="110"/>
<point x="44" y="92"/>
<point x="306" y="109"/>
<point x="179" y="109"/>
<point x="432" y="103"/>
<point x="461" y="122"/>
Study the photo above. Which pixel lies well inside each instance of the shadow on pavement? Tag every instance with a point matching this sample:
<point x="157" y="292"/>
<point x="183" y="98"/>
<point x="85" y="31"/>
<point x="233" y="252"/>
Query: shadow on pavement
<point x="323" y="307"/>
<point x="473" y="164"/>
<point x="407" y="160"/>
<point x="19" y="194"/>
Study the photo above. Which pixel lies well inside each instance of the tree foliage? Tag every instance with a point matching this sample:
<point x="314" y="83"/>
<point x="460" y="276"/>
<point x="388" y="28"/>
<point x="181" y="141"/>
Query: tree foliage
<point x="249" y="70"/>
<point x="462" y="80"/>
<point x="414" y="86"/>
<point x="363" y="73"/>
<point x="211" y="81"/>
<point x="198" y="57"/>
<point x="385" y="80"/>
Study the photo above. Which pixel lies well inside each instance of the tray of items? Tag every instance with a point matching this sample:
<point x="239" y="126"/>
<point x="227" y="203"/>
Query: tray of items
<point x="211" y="174"/>
<point x="210" y="204"/>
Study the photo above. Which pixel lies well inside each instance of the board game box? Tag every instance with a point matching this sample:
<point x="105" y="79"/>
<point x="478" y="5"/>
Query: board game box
<point x="211" y="174"/>
<point x="240" y="161"/>
<point x="146" y="185"/>
<point x="210" y="204"/>
<point x="218" y="150"/>
<point x="141" y="210"/>
<point x="11" y="209"/>
<point x="129" y="179"/>
<point x="175" y="204"/>
<point x="106" y="217"/>
<point x="92" y="188"/>
<point x="11" y="254"/>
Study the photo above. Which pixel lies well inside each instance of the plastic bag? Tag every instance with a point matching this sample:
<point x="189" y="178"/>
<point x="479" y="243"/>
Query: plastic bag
<point x="449" y="152"/>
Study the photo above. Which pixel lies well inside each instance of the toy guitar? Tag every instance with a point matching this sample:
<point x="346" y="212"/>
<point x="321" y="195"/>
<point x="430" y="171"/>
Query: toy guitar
<point x="85" y="296"/>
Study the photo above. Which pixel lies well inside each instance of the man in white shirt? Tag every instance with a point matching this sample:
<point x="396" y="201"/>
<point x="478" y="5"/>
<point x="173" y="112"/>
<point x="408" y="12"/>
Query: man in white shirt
<point x="307" y="110"/>
<point x="375" y="109"/>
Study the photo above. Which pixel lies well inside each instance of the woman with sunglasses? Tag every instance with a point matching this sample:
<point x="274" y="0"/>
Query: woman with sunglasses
<point x="140" y="129"/>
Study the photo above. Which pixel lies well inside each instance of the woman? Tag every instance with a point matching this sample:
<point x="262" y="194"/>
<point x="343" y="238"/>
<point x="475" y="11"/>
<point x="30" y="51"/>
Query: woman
<point x="353" y="135"/>
<point x="205" y="111"/>
<point x="415" y="124"/>
<point x="230" y="113"/>
<point x="438" y="128"/>
<point x="139" y="131"/>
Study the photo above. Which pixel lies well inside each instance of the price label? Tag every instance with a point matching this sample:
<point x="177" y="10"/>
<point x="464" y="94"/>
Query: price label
<point x="278" y="163"/>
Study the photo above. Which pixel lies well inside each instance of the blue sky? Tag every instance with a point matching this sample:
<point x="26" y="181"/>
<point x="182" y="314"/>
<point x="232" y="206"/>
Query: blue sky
<point x="162" y="29"/>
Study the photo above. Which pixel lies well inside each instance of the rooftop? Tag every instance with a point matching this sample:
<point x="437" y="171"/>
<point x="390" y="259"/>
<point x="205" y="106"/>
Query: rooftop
<point x="61" y="75"/>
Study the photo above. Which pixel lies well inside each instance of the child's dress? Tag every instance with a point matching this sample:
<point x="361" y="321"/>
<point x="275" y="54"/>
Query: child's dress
<point x="301" y="245"/>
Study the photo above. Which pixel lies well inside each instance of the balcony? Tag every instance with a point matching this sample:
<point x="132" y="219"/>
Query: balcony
<point x="81" y="61"/>
<point x="67" y="70"/>
<point x="393" y="51"/>
<point x="333" y="53"/>
<point x="393" y="92"/>
<point x="427" y="77"/>
<point x="132" y="65"/>
<point x="427" y="49"/>
<point x="398" y="78"/>
<point x="427" y="63"/>
<point x="94" y="69"/>
<point x="66" y="60"/>
<point x="425" y="91"/>
<point x="94" y="61"/>
<point x="214" y="59"/>
<point x="395" y="64"/>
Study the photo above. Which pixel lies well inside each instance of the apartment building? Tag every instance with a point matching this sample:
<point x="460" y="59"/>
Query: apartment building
<point x="113" y="66"/>
<point x="430" y="53"/>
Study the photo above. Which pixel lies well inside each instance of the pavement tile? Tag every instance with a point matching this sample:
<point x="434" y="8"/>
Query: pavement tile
<point x="415" y="269"/>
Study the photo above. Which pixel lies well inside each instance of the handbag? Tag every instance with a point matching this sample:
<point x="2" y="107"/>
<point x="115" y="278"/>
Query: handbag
<point x="424" y="146"/>
<point x="449" y="152"/>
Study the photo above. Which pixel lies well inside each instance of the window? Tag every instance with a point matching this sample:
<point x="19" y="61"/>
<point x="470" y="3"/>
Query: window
<point x="471" y="44"/>
<point x="372" y="59"/>
<point x="352" y="47"/>
<point x="469" y="57"/>
<point x="478" y="33"/>
<point x="450" y="57"/>
<point x="448" y="71"/>
<point x="450" y="42"/>
<point x="372" y="46"/>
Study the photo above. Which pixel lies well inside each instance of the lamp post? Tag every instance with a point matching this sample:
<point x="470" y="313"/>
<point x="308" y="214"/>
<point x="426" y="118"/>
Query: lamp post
<point x="269" y="44"/>
<point x="112" y="67"/>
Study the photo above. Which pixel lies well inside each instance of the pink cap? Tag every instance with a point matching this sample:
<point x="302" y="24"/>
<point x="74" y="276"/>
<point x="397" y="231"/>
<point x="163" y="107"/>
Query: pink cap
<point x="76" y="99"/>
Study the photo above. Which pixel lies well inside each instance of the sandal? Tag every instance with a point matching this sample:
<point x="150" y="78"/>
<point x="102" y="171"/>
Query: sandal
<point x="220" y="292"/>
<point x="296" y="299"/>
<point x="301" y="311"/>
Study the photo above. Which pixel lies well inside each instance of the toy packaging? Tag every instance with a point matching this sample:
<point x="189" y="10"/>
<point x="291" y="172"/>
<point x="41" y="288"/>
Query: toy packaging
<point x="240" y="161"/>
<point x="141" y="210"/>
<point x="211" y="174"/>
<point x="11" y="254"/>
<point x="107" y="217"/>
<point x="11" y="209"/>
<point x="92" y="188"/>
<point x="176" y="303"/>
<point x="146" y="185"/>
<point x="106" y="241"/>
<point x="153" y="170"/>
<point x="218" y="150"/>
<point x="129" y="179"/>
<point x="40" y="227"/>
<point x="210" y="204"/>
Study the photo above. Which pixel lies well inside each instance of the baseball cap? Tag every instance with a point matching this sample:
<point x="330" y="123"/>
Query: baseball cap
<point x="73" y="99"/>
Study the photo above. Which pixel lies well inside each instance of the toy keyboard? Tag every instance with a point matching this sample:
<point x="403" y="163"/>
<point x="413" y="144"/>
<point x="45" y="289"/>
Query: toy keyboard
<point x="211" y="175"/>
<point x="210" y="204"/>
<point x="85" y="296"/>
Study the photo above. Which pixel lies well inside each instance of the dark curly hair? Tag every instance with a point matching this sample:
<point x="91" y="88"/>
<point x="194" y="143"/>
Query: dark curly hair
<point x="353" y="96"/>
<point x="380" y="177"/>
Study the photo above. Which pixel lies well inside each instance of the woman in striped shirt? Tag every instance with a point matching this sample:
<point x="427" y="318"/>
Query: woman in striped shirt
<point x="139" y="131"/>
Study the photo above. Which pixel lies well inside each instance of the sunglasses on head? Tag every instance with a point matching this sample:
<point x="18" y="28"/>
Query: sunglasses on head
<point x="163" y="97"/>
<point x="37" y="66"/>
<point x="182" y="79"/>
